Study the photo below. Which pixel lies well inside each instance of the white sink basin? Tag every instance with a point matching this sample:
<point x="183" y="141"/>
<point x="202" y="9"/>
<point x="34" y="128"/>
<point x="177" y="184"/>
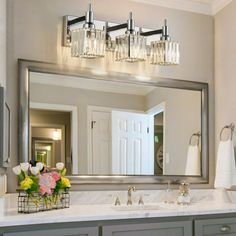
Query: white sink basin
<point x="136" y="207"/>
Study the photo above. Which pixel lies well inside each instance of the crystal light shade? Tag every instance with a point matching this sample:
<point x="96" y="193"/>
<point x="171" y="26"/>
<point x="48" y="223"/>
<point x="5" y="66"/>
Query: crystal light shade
<point x="164" y="53"/>
<point x="88" y="43"/>
<point x="130" y="48"/>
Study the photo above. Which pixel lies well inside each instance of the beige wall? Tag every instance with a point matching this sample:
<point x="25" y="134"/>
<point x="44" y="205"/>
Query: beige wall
<point x="225" y="66"/>
<point x="183" y="118"/>
<point x="34" y="32"/>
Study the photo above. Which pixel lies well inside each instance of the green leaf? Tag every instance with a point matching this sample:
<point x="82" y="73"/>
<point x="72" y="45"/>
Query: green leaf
<point x="63" y="172"/>
<point x="58" y="186"/>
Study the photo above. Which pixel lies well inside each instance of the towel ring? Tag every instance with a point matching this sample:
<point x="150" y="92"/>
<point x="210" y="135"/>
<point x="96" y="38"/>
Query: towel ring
<point x="231" y="127"/>
<point x="198" y="135"/>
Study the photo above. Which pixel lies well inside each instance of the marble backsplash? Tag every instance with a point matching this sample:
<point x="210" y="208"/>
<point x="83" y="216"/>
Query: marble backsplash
<point x="108" y="197"/>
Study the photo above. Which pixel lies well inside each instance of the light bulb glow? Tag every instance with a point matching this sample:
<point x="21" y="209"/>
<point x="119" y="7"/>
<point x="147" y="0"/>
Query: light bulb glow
<point x="130" y="48"/>
<point x="56" y="135"/>
<point x="88" y="43"/>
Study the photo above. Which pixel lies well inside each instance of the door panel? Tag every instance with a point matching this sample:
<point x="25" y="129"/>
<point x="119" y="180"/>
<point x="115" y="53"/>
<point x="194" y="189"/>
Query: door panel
<point x="90" y="231"/>
<point x="183" y="228"/>
<point x="131" y="152"/>
<point x="214" y="227"/>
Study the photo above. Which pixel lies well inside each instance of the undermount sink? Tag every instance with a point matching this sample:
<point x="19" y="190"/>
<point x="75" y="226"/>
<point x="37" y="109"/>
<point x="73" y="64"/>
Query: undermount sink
<point x="136" y="207"/>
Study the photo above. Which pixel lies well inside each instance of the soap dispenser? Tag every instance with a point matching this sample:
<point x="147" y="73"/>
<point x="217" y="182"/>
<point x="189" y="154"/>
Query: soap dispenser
<point x="169" y="199"/>
<point x="184" y="194"/>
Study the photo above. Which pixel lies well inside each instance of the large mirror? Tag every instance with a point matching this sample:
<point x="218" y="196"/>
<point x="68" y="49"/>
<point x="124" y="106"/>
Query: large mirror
<point x="114" y="127"/>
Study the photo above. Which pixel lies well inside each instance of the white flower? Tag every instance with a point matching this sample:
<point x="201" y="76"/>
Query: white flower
<point x="34" y="170"/>
<point x="17" y="170"/>
<point x="40" y="165"/>
<point x="24" y="166"/>
<point x="60" y="165"/>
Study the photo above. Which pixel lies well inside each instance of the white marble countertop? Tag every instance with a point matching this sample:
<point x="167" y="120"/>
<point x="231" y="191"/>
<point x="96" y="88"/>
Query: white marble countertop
<point x="204" y="203"/>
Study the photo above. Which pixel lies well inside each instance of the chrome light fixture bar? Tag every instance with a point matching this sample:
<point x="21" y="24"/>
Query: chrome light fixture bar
<point x="88" y="42"/>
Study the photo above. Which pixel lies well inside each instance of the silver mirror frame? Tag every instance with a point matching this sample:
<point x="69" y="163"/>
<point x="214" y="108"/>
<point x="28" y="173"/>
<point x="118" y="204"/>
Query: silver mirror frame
<point x="26" y="66"/>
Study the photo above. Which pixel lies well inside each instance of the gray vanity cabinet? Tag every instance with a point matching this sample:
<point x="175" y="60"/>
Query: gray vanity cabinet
<point x="186" y="226"/>
<point x="215" y="227"/>
<point x="81" y="231"/>
<point x="181" y="228"/>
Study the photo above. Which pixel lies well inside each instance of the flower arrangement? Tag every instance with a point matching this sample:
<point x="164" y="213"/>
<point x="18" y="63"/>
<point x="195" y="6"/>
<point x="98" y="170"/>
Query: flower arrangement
<point x="41" y="184"/>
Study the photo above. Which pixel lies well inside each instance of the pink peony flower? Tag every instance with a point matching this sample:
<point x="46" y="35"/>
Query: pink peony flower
<point x="56" y="176"/>
<point x="47" y="183"/>
<point x="44" y="190"/>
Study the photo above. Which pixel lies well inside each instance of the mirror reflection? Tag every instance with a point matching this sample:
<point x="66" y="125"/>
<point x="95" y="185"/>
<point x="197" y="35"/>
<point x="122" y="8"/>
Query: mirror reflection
<point x="100" y="127"/>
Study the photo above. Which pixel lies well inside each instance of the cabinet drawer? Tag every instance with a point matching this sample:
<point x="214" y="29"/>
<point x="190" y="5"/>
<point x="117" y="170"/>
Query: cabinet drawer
<point x="223" y="226"/>
<point x="182" y="228"/>
<point x="90" y="231"/>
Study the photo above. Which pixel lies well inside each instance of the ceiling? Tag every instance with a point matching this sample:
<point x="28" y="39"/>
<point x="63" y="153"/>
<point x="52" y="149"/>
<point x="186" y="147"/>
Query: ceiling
<point x="208" y="7"/>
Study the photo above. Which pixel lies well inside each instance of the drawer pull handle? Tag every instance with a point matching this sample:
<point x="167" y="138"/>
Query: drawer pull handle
<point x="225" y="229"/>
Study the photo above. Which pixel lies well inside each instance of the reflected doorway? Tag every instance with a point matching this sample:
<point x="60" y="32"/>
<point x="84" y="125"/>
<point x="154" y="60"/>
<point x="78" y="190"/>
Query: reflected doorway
<point x="158" y="143"/>
<point x="50" y="137"/>
<point x="43" y="151"/>
<point x="159" y="116"/>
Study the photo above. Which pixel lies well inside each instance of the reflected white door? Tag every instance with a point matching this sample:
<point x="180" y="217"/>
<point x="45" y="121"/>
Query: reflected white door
<point x="131" y="154"/>
<point x="101" y="142"/>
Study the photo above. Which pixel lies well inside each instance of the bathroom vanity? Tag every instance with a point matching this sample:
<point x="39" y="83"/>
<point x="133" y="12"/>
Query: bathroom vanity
<point x="204" y="216"/>
<point x="199" y="225"/>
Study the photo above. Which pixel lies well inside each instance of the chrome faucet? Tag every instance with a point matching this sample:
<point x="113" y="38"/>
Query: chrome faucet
<point x="130" y="190"/>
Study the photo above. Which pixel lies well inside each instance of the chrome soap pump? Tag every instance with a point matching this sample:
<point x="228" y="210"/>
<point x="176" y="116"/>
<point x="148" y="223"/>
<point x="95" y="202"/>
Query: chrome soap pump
<point x="184" y="194"/>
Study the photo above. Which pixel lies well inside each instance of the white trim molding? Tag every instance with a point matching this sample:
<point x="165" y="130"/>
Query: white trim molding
<point x="161" y="107"/>
<point x="219" y="5"/>
<point x="207" y="7"/>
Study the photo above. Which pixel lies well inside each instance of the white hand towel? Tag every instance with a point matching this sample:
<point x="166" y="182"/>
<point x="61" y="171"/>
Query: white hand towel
<point x="193" y="163"/>
<point x="225" y="166"/>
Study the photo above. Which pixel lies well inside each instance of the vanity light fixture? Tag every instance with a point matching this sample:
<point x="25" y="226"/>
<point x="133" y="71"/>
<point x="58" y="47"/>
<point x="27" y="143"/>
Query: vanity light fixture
<point x="131" y="46"/>
<point x="164" y="52"/>
<point x="89" y="42"/>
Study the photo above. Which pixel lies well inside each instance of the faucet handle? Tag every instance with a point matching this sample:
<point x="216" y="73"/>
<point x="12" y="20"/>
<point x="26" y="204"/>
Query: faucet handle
<point x="140" y="201"/>
<point x="117" y="202"/>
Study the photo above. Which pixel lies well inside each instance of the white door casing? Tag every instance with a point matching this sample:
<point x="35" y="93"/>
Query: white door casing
<point x="101" y="142"/>
<point x="161" y="107"/>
